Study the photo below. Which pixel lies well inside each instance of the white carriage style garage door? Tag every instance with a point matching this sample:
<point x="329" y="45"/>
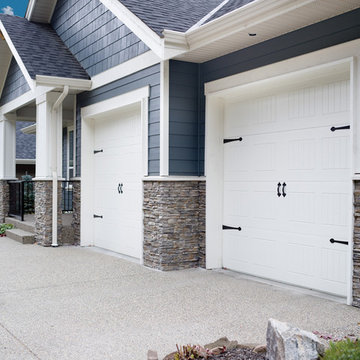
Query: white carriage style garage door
<point x="118" y="182"/>
<point x="287" y="185"/>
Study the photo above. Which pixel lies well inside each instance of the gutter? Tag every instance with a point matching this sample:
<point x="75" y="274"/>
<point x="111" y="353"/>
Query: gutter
<point x="54" y="111"/>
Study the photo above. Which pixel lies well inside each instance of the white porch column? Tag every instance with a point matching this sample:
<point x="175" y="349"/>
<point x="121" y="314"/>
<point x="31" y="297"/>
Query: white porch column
<point x="48" y="162"/>
<point x="48" y="137"/>
<point x="7" y="160"/>
<point x="8" y="147"/>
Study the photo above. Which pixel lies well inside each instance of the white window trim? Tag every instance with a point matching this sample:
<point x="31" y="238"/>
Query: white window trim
<point x="217" y="91"/>
<point x="88" y="113"/>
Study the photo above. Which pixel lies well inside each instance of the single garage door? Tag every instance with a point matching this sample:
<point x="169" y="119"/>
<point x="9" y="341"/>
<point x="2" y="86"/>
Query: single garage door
<point x="117" y="182"/>
<point x="287" y="185"/>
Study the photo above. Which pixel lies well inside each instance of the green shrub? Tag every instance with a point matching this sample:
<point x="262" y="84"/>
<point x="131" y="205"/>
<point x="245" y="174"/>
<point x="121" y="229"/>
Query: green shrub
<point x="343" y="350"/>
<point x="4" y="227"/>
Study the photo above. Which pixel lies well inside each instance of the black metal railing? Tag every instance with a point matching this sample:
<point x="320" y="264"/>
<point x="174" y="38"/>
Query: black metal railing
<point x="21" y="198"/>
<point x="67" y="196"/>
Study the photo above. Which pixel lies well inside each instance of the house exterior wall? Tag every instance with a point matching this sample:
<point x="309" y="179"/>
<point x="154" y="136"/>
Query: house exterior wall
<point x="96" y="37"/>
<point x="149" y="76"/>
<point x="184" y="152"/>
<point x="327" y="33"/>
<point x="15" y="84"/>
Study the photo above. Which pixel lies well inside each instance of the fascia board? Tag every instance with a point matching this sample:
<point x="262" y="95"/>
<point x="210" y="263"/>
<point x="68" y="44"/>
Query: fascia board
<point x="138" y="27"/>
<point x="240" y="19"/>
<point x="31" y="129"/>
<point x="6" y="56"/>
<point x="53" y="81"/>
<point x="17" y="57"/>
<point x="30" y="9"/>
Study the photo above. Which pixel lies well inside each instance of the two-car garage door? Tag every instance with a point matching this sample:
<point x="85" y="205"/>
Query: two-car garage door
<point x="286" y="184"/>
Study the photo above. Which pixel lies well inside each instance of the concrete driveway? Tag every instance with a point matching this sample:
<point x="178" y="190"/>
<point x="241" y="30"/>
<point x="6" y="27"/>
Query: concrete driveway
<point x="76" y="303"/>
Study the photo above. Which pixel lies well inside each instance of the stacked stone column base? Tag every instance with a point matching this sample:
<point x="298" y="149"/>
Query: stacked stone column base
<point x="76" y="211"/>
<point x="43" y="212"/>
<point x="174" y="224"/>
<point x="4" y="200"/>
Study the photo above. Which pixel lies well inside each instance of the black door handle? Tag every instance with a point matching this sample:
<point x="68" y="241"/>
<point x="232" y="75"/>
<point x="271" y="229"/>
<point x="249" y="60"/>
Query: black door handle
<point x="278" y="189"/>
<point x="339" y="242"/>
<point x="225" y="227"/>
<point x="283" y="189"/>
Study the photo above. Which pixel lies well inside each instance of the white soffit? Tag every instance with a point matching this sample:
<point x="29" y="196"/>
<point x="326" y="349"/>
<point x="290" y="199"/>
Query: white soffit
<point x="231" y="32"/>
<point x="5" y="60"/>
<point x="40" y="10"/>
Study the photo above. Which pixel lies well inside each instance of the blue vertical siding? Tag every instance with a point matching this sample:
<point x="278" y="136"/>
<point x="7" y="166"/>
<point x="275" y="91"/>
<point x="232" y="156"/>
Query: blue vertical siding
<point x="15" y="84"/>
<point x="96" y="37"/>
<point x="183" y="118"/>
<point x="334" y="31"/>
<point x="149" y="76"/>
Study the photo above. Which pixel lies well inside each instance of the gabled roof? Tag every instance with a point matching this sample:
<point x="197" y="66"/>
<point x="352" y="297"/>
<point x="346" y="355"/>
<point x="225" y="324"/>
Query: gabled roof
<point x="228" y="7"/>
<point x="41" y="49"/>
<point x="171" y="14"/>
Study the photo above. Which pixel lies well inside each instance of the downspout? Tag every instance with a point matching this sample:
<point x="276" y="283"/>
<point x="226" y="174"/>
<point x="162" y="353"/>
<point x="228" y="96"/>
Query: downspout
<point x="55" y="108"/>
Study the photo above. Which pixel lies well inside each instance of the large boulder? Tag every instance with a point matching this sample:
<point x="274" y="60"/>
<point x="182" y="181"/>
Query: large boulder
<point x="287" y="342"/>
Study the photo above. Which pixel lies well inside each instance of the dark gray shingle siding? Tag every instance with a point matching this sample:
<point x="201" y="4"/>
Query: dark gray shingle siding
<point x="15" y="84"/>
<point x="172" y="14"/>
<point x="96" y="37"/>
<point x="25" y="143"/>
<point x="149" y="76"/>
<point x="41" y="49"/>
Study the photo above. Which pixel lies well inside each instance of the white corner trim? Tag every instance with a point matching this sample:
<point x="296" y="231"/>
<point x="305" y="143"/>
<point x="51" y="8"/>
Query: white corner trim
<point x="31" y="129"/>
<point x="138" y="27"/>
<point x="17" y="57"/>
<point x="322" y="58"/>
<point x="209" y="15"/>
<point x="74" y="84"/>
<point x="145" y="134"/>
<point x="164" y="118"/>
<point x="138" y="63"/>
<point x="114" y="103"/>
<point x="18" y="102"/>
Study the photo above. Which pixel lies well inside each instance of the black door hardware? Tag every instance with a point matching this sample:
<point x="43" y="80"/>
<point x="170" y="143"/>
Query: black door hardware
<point x="120" y="188"/>
<point x="278" y="189"/>
<point x="98" y="151"/>
<point x="225" y="227"/>
<point x="98" y="216"/>
<point x="231" y="140"/>
<point x="340" y="128"/>
<point x="339" y="242"/>
<point x="283" y="189"/>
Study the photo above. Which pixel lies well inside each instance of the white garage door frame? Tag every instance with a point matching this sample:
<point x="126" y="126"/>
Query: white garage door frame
<point x="89" y="113"/>
<point x="280" y="74"/>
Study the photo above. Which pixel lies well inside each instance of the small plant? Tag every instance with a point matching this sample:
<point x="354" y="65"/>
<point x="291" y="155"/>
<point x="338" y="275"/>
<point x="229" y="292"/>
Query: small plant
<point x="190" y="352"/>
<point x="343" y="350"/>
<point x="4" y="227"/>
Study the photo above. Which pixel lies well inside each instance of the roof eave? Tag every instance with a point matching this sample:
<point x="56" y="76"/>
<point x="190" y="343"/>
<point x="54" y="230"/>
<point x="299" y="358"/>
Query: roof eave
<point x="75" y="85"/>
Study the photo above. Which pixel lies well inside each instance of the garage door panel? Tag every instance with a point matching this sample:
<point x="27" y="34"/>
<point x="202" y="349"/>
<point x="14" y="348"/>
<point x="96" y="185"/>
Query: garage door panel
<point x="287" y="140"/>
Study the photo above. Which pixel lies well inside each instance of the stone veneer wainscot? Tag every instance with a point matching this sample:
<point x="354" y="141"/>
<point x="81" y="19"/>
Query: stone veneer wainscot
<point x="4" y="200"/>
<point x="174" y="224"/>
<point x="356" y="249"/>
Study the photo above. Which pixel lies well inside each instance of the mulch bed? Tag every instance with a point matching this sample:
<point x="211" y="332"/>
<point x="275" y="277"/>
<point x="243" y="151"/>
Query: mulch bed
<point x="239" y="354"/>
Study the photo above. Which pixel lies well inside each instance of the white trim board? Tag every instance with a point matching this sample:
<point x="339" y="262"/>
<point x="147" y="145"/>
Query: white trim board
<point x="164" y="118"/>
<point x="337" y="59"/>
<point x="18" y="102"/>
<point x="137" y="26"/>
<point x="17" y="57"/>
<point x="129" y="67"/>
<point x="137" y="97"/>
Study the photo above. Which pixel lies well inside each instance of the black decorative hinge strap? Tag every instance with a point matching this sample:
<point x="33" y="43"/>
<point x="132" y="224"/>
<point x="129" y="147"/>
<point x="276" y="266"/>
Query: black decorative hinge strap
<point x="225" y="227"/>
<point x="232" y="140"/>
<point x="98" y="151"/>
<point x="347" y="127"/>
<point x="98" y="216"/>
<point x="339" y="242"/>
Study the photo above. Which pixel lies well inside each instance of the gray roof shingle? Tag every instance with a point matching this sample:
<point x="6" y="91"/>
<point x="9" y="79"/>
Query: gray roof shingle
<point x="230" y="6"/>
<point x="171" y="14"/>
<point x="25" y="143"/>
<point x="41" y="49"/>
